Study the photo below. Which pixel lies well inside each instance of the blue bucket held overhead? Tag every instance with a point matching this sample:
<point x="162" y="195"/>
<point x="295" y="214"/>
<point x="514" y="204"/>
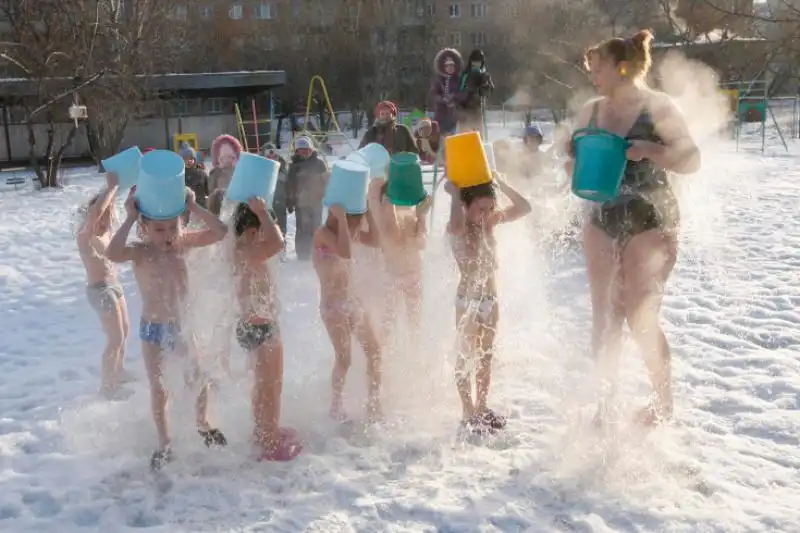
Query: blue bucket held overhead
<point x="375" y="156"/>
<point x="253" y="176"/>
<point x="348" y="186"/>
<point x="125" y="165"/>
<point x="161" y="189"/>
<point x="599" y="164"/>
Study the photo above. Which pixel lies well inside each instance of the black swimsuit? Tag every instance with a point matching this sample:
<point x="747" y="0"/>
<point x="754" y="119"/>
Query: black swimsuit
<point x="646" y="201"/>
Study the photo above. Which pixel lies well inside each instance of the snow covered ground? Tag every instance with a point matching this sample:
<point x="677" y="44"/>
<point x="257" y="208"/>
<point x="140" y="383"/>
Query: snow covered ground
<point x="72" y="463"/>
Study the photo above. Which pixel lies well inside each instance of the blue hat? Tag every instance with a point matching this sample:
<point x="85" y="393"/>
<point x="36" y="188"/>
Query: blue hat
<point x="187" y="152"/>
<point x="533" y="131"/>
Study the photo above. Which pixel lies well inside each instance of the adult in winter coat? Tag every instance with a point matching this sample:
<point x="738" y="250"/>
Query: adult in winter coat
<point x="387" y="131"/>
<point x="474" y="86"/>
<point x="279" y="205"/>
<point x="225" y="152"/>
<point x="444" y="92"/>
<point x="305" y="189"/>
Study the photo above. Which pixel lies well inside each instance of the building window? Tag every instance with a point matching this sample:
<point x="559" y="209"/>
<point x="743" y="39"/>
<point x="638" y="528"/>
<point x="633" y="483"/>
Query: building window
<point x="235" y="12"/>
<point x="299" y="41"/>
<point x="512" y="10"/>
<point x="478" y="10"/>
<point x="454" y="10"/>
<point x="265" y="11"/>
<point x="431" y="9"/>
<point x="216" y="106"/>
<point x="206" y="12"/>
<point x="296" y="9"/>
<point x="454" y="38"/>
<point x="181" y="12"/>
<point x="479" y="39"/>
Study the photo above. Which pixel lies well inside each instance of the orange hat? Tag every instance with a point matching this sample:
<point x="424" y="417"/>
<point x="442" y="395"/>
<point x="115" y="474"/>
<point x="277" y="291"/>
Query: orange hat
<point x="386" y="104"/>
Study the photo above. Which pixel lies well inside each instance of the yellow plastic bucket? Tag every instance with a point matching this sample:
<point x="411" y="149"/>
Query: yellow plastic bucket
<point x="465" y="160"/>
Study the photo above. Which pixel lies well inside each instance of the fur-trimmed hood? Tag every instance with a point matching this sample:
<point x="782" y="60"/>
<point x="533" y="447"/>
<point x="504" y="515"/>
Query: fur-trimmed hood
<point x="442" y="56"/>
<point x="218" y="142"/>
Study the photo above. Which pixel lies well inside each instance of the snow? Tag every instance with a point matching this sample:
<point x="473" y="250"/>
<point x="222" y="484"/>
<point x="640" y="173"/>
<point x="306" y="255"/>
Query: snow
<point x="73" y="463"/>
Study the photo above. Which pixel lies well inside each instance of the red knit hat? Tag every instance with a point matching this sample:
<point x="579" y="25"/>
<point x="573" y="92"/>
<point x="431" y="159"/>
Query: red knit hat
<point x="386" y="104"/>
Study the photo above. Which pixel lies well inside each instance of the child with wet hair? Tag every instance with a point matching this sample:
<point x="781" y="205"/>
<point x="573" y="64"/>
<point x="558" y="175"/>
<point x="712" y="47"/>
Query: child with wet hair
<point x="159" y="266"/>
<point x="342" y="312"/>
<point x="474" y="215"/>
<point x="103" y="289"/>
<point x="258" y="238"/>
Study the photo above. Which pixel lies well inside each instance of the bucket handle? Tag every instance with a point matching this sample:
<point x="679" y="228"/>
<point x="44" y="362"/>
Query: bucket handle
<point x="596" y="131"/>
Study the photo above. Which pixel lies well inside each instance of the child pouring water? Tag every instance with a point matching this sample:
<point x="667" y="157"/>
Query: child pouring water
<point x="103" y="290"/>
<point x="474" y="214"/>
<point x="403" y="236"/>
<point x="259" y="238"/>
<point x="341" y="311"/>
<point x="159" y="266"/>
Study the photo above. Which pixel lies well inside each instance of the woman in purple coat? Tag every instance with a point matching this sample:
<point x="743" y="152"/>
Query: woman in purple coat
<point x="444" y="93"/>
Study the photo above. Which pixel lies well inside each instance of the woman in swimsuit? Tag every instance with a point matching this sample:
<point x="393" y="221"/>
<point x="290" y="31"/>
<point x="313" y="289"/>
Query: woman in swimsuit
<point x="403" y="235"/>
<point x="631" y="243"/>
<point x="341" y="311"/>
<point x="473" y="218"/>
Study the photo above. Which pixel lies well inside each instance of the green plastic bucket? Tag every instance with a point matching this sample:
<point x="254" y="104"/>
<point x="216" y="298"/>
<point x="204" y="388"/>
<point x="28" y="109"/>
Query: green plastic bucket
<point x="404" y="186"/>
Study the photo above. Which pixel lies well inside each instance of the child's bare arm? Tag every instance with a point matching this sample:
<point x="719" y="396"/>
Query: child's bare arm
<point x="215" y="228"/>
<point x="339" y="242"/>
<point x="421" y="228"/>
<point x="271" y="241"/>
<point x="100" y="206"/>
<point x="385" y="216"/>
<point x="118" y="250"/>
<point x="456" y="225"/>
<point x="519" y="207"/>
<point x="371" y="237"/>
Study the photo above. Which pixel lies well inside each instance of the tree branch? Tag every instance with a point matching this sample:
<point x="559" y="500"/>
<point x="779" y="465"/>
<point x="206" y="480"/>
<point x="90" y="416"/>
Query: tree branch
<point x="93" y="78"/>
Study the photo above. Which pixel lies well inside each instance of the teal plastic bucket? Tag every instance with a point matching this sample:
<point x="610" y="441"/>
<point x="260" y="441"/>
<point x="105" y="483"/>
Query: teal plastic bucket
<point x="161" y="189"/>
<point x="125" y="165"/>
<point x="253" y="176"/>
<point x="375" y="156"/>
<point x="599" y="164"/>
<point x="348" y="186"/>
<point x="404" y="186"/>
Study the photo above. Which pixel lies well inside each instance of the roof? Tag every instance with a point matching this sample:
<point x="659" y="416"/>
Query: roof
<point x="167" y="82"/>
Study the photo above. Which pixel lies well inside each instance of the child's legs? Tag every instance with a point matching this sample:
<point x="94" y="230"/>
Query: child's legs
<point x="372" y="350"/>
<point x="267" y="388"/>
<point x="487" y="332"/>
<point x="466" y="350"/>
<point x="412" y="293"/>
<point x="112" y="318"/>
<point x="153" y="361"/>
<point x="337" y="323"/>
<point x="126" y="328"/>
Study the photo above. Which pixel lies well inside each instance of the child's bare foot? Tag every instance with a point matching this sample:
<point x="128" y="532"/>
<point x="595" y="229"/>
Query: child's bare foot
<point x="651" y="415"/>
<point x="492" y="419"/>
<point x="374" y="411"/>
<point x="285" y="448"/>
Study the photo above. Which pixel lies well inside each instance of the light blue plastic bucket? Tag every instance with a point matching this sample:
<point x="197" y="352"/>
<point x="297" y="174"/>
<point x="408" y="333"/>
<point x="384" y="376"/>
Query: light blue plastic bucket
<point x="375" y="156"/>
<point x="599" y="164"/>
<point x="348" y="186"/>
<point x="161" y="189"/>
<point x="253" y="176"/>
<point x="125" y="165"/>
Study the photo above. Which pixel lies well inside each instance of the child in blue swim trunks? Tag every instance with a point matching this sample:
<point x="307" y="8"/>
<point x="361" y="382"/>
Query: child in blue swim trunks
<point x="159" y="266"/>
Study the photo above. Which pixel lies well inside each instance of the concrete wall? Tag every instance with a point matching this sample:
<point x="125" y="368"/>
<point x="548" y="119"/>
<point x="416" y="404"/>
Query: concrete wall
<point x="144" y="133"/>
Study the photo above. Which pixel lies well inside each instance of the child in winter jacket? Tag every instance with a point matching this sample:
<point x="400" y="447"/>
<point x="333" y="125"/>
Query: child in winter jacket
<point x="427" y="138"/>
<point x="387" y="131"/>
<point x="225" y="152"/>
<point x="444" y="93"/>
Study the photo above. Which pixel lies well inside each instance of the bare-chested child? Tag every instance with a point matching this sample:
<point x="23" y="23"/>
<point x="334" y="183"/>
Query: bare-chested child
<point x="103" y="290"/>
<point x="258" y="238"/>
<point x="403" y="235"/>
<point x="473" y="217"/>
<point x="341" y="311"/>
<point x="159" y="266"/>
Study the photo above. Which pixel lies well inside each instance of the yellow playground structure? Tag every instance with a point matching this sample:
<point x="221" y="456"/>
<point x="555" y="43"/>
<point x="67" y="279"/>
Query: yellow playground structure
<point x="317" y="135"/>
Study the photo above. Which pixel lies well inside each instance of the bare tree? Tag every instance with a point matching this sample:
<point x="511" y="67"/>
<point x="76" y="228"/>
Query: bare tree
<point x="81" y="50"/>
